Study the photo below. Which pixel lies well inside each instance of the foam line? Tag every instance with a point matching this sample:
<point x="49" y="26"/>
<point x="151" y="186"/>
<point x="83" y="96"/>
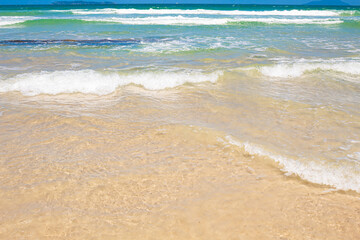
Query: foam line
<point x="292" y="70"/>
<point x="99" y="83"/>
<point x="151" y="11"/>
<point x="344" y="178"/>
<point x="181" y="20"/>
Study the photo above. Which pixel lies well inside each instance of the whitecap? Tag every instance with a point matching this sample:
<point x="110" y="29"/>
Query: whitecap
<point x="100" y="83"/>
<point x="10" y="20"/>
<point x="181" y="20"/>
<point x="292" y="70"/>
<point x="151" y="11"/>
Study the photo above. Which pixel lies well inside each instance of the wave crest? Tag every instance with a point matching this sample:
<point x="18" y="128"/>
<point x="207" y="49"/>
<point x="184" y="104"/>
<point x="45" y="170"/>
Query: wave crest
<point x="181" y="20"/>
<point x="151" y="11"/>
<point x="99" y="83"/>
<point x="10" y="20"/>
<point x="292" y="70"/>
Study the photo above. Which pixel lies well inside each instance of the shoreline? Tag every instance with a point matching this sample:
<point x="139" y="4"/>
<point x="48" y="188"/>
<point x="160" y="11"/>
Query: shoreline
<point x="183" y="184"/>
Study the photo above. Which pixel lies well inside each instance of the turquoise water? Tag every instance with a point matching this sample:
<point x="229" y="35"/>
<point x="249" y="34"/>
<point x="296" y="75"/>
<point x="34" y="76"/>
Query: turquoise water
<point x="158" y="33"/>
<point x="297" y="64"/>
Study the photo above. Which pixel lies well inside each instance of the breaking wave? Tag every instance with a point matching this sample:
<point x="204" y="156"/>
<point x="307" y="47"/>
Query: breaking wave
<point x="180" y="20"/>
<point x="206" y="12"/>
<point x="100" y="83"/>
<point x="10" y="20"/>
<point x="168" y="20"/>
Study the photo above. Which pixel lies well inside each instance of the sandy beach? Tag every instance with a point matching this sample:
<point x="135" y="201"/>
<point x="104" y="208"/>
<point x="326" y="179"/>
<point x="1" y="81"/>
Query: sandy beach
<point x="179" y="122"/>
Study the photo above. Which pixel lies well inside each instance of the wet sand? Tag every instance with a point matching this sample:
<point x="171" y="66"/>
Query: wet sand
<point x="66" y="176"/>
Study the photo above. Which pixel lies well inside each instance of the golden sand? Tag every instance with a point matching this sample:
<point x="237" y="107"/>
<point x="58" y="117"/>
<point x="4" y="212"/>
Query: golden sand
<point x="141" y="164"/>
<point x="153" y="181"/>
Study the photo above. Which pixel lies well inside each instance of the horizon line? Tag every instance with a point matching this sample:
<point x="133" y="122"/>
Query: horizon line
<point x="237" y="4"/>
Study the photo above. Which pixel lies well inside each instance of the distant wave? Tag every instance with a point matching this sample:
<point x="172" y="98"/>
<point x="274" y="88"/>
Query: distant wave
<point x="167" y="20"/>
<point x="10" y="20"/>
<point x="100" y="83"/>
<point x="349" y="13"/>
<point x="180" y="20"/>
<point x="206" y="12"/>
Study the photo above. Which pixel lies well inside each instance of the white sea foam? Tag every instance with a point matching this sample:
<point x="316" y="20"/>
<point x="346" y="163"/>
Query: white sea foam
<point x="10" y="20"/>
<point x="355" y="156"/>
<point x="342" y="178"/>
<point x="100" y="83"/>
<point x="291" y="70"/>
<point x="168" y="20"/>
<point x="187" y="44"/>
<point x="181" y="20"/>
<point x="151" y="11"/>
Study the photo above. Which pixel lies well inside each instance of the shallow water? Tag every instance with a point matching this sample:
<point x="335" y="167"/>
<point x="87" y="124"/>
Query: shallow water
<point x="135" y="121"/>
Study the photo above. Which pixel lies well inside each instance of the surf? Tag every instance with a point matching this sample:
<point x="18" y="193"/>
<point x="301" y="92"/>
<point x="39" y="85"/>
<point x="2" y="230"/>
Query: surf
<point x="100" y="82"/>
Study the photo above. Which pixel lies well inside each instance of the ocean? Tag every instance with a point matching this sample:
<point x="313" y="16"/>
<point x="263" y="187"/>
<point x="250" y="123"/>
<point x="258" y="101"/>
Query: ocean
<point x="133" y="121"/>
